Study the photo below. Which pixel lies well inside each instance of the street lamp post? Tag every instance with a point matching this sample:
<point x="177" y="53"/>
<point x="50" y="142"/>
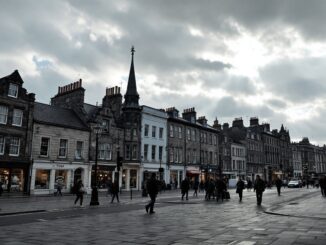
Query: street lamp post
<point x="94" y="197"/>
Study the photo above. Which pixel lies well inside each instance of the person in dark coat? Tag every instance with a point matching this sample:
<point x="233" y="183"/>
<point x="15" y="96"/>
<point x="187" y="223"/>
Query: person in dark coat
<point x="152" y="190"/>
<point x="240" y="187"/>
<point x="278" y="184"/>
<point x="249" y="185"/>
<point x="115" y="190"/>
<point x="220" y="189"/>
<point x="259" y="187"/>
<point x="79" y="190"/>
<point x="210" y="189"/>
<point x="196" y="185"/>
<point x="185" y="188"/>
<point x="322" y="184"/>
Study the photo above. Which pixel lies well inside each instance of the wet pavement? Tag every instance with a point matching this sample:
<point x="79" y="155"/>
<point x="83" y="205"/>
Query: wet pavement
<point x="298" y="216"/>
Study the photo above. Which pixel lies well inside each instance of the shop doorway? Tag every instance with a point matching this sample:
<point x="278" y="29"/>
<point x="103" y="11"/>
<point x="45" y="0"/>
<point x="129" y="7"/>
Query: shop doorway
<point x="77" y="175"/>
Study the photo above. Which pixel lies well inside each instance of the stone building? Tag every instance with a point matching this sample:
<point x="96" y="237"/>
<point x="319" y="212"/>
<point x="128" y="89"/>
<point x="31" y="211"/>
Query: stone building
<point x="16" y="120"/>
<point x="192" y="146"/>
<point x="60" y="150"/>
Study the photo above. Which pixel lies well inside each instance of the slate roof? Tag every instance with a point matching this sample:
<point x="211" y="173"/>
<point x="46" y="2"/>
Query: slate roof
<point x="57" y="116"/>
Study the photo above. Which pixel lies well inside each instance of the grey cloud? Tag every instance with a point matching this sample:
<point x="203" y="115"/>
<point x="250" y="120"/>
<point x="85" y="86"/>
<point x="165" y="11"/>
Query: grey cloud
<point x="298" y="80"/>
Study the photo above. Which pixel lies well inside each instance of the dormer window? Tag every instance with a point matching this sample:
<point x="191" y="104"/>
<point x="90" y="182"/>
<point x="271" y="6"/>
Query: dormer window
<point x="13" y="90"/>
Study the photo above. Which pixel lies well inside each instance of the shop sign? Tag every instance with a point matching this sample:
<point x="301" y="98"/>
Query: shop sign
<point x="58" y="165"/>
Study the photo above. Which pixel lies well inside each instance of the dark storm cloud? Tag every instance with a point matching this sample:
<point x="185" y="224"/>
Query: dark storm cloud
<point x="297" y="80"/>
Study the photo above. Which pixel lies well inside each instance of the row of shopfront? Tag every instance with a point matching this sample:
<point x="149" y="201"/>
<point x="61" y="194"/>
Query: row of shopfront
<point x="41" y="177"/>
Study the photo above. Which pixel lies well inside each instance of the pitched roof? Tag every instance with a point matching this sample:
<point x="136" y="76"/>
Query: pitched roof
<point x="15" y="76"/>
<point x="57" y="116"/>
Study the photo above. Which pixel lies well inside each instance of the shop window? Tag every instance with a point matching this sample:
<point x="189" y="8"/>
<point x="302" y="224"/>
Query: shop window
<point x="14" y="146"/>
<point x="13" y="90"/>
<point x="44" y="146"/>
<point x="63" y="148"/>
<point x="79" y="150"/>
<point x="2" y="145"/>
<point x="3" y="114"/>
<point x="42" y="179"/>
<point x="17" y="118"/>
<point x="133" y="178"/>
<point x="105" y="151"/>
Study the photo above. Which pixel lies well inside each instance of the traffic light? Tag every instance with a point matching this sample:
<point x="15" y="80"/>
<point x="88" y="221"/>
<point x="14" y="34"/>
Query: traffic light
<point x="119" y="163"/>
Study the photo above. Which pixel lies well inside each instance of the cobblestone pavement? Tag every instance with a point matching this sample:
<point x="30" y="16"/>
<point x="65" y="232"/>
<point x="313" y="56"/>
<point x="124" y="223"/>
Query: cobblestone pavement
<point x="193" y="222"/>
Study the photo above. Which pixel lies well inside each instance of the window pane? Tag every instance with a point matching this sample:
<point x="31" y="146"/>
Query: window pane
<point x="44" y="146"/>
<point x="3" y="114"/>
<point x="2" y="145"/>
<point x="13" y="90"/>
<point x="17" y="117"/>
<point x="63" y="148"/>
<point x="79" y="150"/>
<point x="14" y="146"/>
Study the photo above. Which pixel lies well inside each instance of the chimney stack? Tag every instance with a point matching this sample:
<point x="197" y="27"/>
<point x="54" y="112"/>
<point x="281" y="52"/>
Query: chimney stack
<point x="189" y="114"/>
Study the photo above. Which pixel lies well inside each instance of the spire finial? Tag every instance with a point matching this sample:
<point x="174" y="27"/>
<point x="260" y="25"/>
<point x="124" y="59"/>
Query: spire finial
<point x="132" y="50"/>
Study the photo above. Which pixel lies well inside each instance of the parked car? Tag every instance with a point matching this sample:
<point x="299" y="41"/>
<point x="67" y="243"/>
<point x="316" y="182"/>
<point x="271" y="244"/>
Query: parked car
<point x="295" y="184"/>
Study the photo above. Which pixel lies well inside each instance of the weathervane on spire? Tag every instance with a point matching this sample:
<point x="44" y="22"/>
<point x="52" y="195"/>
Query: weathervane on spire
<point x="132" y="50"/>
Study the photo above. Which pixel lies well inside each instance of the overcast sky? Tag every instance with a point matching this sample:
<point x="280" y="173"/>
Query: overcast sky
<point x="225" y="58"/>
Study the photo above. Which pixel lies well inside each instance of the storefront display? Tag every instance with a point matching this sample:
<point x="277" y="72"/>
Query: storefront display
<point x="42" y="179"/>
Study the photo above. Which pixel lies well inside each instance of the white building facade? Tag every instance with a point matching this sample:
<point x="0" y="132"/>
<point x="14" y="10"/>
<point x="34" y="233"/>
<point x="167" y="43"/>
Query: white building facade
<point x="238" y="162"/>
<point x="153" y="143"/>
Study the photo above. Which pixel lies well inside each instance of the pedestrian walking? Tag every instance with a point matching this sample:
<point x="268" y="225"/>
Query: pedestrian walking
<point x="109" y="185"/>
<point x="322" y="184"/>
<point x="152" y="189"/>
<point x="185" y="188"/>
<point x="210" y="189"/>
<point x="80" y="190"/>
<point x="220" y="189"/>
<point x="196" y="185"/>
<point x="1" y="189"/>
<point x="259" y="187"/>
<point x="278" y="184"/>
<point x="240" y="187"/>
<point x="249" y="184"/>
<point x="115" y="191"/>
<point x="59" y="188"/>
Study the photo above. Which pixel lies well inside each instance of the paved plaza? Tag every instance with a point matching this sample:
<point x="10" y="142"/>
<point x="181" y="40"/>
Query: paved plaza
<point x="298" y="216"/>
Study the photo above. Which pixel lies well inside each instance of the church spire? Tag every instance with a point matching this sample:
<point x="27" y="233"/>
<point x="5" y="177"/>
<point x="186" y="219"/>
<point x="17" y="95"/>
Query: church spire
<point x="132" y="96"/>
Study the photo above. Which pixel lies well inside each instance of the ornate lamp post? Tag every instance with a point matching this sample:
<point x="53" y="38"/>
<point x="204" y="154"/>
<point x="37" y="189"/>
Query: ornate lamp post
<point x="94" y="198"/>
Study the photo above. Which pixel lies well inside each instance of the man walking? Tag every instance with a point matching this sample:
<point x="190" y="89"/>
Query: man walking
<point x="196" y="185"/>
<point x="278" y="184"/>
<point x="240" y="187"/>
<point x="220" y="189"/>
<point x="185" y="188"/>
<point x="322" y="183"/>
<point x="259" y="187"/>
<point x="152" y="189"/>
<point x="115" y="190"/>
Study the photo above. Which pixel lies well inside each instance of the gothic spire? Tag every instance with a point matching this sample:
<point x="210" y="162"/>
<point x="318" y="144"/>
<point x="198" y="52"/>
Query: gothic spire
<point x="132" y="96"/>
